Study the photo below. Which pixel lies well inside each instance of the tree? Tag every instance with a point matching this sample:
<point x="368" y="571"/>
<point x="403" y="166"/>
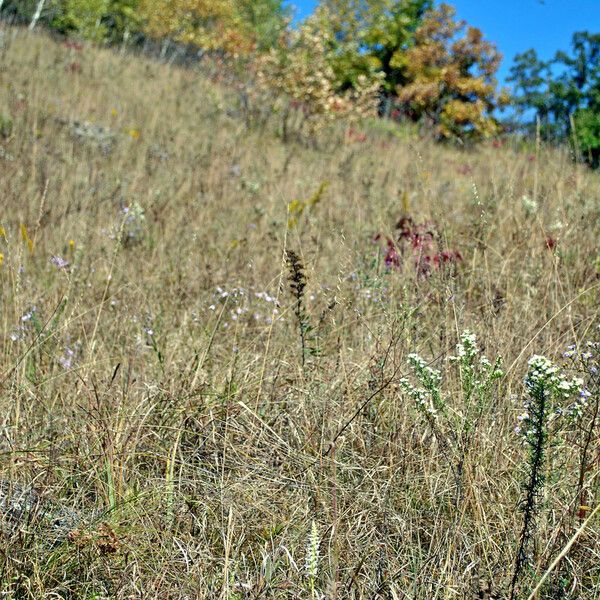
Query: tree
<point x="83" y="17"/>
<point x="265" y="19"/>
<point x="37" y="14"/>
<point x="122" y="20"/>
<point x="451" y="77"/>
<point x="587" y="131"/>
<point x="531" y="78"/>
<point x="563" y="90"/>
<point x="29" y="11"/>
<point x="99" y="20"/>
<point x="301" y="69"/>
<point x="209" y="24"/>
<point x="372" y="35"/>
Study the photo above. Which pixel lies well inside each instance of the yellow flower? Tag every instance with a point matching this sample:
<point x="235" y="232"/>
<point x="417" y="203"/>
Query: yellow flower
<point x="134" y="134"/>
<point x="2" y="232"/>
<point x="72" y="245"/>
<point x="318" y="195"/>
<point x="405" y="203"/>
<point x="296" y="207"/>
<point x="114" y="112"/>
<point x="26" y="238"/>
<point x="1" y="258"/>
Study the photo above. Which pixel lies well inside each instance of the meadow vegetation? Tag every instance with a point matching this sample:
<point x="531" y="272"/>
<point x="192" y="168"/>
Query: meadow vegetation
<point x="251" y="367"/>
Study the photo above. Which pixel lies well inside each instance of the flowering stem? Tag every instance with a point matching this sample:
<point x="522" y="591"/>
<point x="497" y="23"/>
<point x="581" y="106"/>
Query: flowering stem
<point x="534" y="485"/>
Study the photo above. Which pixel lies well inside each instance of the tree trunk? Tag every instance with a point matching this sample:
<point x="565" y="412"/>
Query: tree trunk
<point x="37" y="14"/>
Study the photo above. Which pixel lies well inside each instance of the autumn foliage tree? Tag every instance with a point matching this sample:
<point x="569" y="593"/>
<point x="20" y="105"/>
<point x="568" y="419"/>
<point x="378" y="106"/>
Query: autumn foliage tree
<point x="302" y="72"/>
<point x="350" y="58"/>
<point x="235" y="26"/>
<point x="451" y="77"/>
<point x="238" y="27"/>
<point x="432" y="68"/>
<point x="208" y="24"/>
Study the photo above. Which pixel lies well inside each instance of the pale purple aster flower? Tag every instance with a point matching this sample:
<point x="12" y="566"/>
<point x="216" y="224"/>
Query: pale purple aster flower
<point x="59" y="262"/>
<point x="66" y="362"/>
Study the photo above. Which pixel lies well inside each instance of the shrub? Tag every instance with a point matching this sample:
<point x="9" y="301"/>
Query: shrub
<point x="587" y="133"/>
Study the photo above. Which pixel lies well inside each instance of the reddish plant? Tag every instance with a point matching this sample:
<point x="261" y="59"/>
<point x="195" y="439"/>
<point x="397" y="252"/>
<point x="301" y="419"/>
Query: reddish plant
<point x="392" y="258"/>
<point x="421" y="243"/>
<point x="446" y="257"/>
<point x="356" y="136"/>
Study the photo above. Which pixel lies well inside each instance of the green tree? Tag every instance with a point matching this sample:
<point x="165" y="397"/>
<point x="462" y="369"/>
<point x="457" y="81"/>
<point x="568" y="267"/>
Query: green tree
<point x="83" y="17"/>
<point x="24" y="10"/>
<point x="122" y="20"/>
<point x="587" y="131"/>
<point x="558" y="90"/>
<point x="267" y="20"/>
<point x="372" y="35"/>
<point x="531" y="78"/>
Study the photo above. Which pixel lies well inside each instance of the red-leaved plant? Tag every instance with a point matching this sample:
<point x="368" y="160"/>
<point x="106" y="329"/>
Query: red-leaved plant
<point x="421" y="244"/>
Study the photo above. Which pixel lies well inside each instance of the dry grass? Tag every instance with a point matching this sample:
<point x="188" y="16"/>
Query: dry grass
<point x="196" y="440"/>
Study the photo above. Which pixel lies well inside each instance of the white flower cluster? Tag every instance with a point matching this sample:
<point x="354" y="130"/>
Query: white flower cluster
<point x="467" y="351"/>
<point x="27" y="324"/>
<point x="545" y="382"/>
<point x="477" y="374"/>
<point x="467" y="347"/>
<point x="430" y="376"/>
<point x="530" y="206"/>
<point x="428" y="396"/>
<point x="545" y="377"/>
<point x="312" y="552"/>
<point x="419" y="395"/>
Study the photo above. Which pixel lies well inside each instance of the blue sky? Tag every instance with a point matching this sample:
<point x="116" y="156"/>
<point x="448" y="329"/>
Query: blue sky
<point x="517" y="25"/>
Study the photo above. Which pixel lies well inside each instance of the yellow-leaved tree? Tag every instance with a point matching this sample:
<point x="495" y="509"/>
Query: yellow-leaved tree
<point x="451" y="77"/>
<point x="302" y="72"/>
<point x="208" y="24"/>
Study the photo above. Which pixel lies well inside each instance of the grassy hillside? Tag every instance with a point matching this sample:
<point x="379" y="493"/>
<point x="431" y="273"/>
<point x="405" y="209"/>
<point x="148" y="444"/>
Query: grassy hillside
<point x="213" y="435"/>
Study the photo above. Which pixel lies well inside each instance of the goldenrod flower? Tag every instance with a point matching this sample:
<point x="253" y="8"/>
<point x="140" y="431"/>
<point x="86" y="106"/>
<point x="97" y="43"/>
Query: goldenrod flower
<point x="26" y="238"/>
<point x="296" y="207"/>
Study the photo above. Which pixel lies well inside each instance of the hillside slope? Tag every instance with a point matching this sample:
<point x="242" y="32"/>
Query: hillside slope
<point x="226" y="438"/>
